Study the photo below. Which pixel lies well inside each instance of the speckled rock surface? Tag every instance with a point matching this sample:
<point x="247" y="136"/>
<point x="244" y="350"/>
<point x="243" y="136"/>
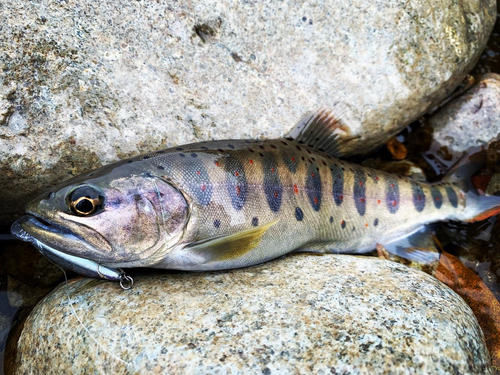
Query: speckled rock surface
<point x="473" y="119"/>
<point x="303" y="313"/>
<point x="85" y="83"/>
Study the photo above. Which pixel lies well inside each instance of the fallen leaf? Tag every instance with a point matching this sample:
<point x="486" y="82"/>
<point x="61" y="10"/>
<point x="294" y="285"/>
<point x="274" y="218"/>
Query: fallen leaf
<point x="397" y="149"/>
<point x="452" y="272"/>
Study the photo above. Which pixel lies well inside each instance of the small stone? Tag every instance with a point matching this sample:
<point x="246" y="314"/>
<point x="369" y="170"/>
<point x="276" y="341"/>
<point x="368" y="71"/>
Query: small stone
<point x="471" y="120"/>
<point x="293" y="315"/>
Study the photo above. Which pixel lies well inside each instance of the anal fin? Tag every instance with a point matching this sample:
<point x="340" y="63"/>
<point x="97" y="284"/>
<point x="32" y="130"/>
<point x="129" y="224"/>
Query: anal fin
<point x="320" y="129"/>
<point x="231" y="246"/>
<point x="420" y="247"/>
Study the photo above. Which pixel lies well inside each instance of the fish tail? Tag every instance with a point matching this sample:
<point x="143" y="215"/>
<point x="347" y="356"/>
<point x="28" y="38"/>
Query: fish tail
<point x="479" y="206"/>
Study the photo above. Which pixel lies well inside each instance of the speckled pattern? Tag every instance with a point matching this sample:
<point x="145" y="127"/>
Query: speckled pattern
<point x="326" y="314"/>
<point x="471" y="120"/>
<point x="83" y="83"/>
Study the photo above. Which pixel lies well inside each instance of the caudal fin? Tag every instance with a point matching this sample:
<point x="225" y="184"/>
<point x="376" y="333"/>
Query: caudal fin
<point x="478" y="207"/>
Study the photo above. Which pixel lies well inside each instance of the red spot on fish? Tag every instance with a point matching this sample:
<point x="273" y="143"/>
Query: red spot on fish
<point x="293" y="159"/>
<point x="276" y="194"/>
<point x="378" y="201"/>
<point x="236" y="174"/>
<point x="392" y="185"/>
<point x="341" y="197"/>
<point x="313" y="175"/>
<point x="438" y="198"/>
<point x="238" y="190"/>
<point x="394" y="203"/>
<point x="295" y="189"/>
<point x="272" y="170"/>
<point x="362" y="200"/>
<point x="339" y="177"/>
<point x="360" y="183"/>
<point x="217" y="163"/>
<point x="198" y="173"/>
<point x="315" y="200"/>
<point x="376" y="178"/>
<point x="419" y="197"/>
<point x="203" y="187"/>
<point x="250" y="161"/>
<point x="342" y="222"/>
<point x="366" y="225"/>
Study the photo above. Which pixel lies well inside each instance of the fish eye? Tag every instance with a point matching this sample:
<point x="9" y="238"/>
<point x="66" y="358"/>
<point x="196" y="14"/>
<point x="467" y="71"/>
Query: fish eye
<point x="85" y="200"/>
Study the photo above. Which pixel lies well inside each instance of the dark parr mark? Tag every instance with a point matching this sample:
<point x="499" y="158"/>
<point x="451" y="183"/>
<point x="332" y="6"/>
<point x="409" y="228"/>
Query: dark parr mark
<point x="299" y="215"/>
<point x="273" y="188"/>
<point x="392" y="195"/>
<point x="338" y="184"/>
<point x="313" y="187"/>
<point x="236" y="182"/>
<point x="418" y="196"/>
<point x="255" y="221"/>
<point x="437" y="197"/>
<point x="360" y="191"/>
<point x="452" y="196"/>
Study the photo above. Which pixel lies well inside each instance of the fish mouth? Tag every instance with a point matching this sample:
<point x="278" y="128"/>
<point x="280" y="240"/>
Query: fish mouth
<point x="28" y="227"/>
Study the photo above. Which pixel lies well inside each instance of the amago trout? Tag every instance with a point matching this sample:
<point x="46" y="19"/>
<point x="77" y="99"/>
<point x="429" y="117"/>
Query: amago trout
<point x="228" y="204"/>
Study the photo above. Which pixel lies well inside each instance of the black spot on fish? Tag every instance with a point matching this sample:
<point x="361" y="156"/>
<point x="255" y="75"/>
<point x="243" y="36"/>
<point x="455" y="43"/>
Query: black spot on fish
<point x="342" y="224"/>
<point x="392" y="195"/>
<point x="194" y="155"/>
<point x="375" y="222"/>
<point x="452" y="196"/>
<point x="286" y="144"/>
<point x="236" y="182"/>
<point x="230" y="146"/>
<point x="418" y="196"/>
<point x="299" y="215"/>
<point x="437" y="197"/>
<point x="272" y="183"/>
<point x="217" y="223"/>
<point x="160" y="167"/>
<point x="179" y="149"/>
<point x="130" y="161"/>
<point x="182" y="155"/>
<point x="247" y="141"/>
<point x="359" y="189"/>
<point x="204" y="148"/>
<point x="338" y="184"/>
<point x="331" y="219"/>
<point x="145" y="157"/>
<point x="313" y="187"/>
<point x="255" y="221"/>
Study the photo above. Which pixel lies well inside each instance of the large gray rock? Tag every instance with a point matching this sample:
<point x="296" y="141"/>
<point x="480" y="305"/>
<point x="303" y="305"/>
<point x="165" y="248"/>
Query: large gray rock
<point x="471" y="120"/>
<point x="83" y="83"/>
<point x="299" y="314"/>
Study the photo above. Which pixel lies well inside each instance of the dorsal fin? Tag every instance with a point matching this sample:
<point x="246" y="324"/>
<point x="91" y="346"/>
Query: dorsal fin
<point x="319" y="129"/>
<point x="230" y="246"/>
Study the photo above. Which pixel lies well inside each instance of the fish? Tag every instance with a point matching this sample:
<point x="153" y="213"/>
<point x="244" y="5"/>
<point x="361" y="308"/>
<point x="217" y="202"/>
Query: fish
<point x="228" y="204"/>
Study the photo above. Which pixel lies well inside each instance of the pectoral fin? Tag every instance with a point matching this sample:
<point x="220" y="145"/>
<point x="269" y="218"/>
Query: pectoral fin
<point x="229" y="247"/>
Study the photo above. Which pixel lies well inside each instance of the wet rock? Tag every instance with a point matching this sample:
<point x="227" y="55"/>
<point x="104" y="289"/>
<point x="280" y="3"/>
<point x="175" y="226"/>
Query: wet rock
<point x="303" y="313"/>
<point x="471" y="120"/>
<point x="85" y="83"/>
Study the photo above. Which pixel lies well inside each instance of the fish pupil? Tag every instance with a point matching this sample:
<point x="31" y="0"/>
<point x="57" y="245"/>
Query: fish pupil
<point x="85" y="206"/>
